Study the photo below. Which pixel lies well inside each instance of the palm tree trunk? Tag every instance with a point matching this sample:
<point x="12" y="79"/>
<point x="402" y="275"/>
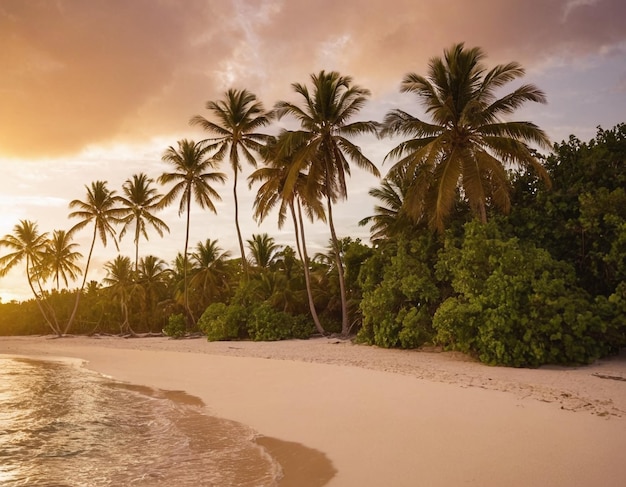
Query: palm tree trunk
<point x="190" y="318"/>
<point x="44" y="301"/>
<point x="244" y="263"/>
<point x="305" y="264"/>
<point x="54" y="326"/>
<point x="79" y="293"/>
<point x="136" y="248"/>
<point x="345" y="326"/>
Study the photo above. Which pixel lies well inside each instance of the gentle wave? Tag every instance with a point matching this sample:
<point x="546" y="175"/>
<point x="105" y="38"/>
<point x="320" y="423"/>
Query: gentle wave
<point x="63" y="425"/>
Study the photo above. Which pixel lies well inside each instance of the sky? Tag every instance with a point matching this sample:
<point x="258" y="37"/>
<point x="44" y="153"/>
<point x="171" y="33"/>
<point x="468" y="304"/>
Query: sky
<point x="98" y="90"/>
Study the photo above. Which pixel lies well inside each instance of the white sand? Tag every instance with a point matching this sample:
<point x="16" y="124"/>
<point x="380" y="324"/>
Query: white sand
<point x="390" y="417"/>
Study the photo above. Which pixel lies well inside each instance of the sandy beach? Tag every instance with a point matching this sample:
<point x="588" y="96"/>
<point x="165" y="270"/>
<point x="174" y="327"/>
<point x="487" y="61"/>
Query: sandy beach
<point x="363" y="416"/>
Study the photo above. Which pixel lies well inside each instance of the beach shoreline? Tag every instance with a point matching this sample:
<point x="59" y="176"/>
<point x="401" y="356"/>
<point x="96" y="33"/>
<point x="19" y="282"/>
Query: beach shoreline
<point x="388" y="417"/>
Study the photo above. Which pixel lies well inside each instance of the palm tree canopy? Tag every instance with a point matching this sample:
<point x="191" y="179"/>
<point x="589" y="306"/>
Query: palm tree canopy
<point x="191" y="176"/>
<point x="60" y="257"/>
<point x="25" y="243"/>
<point x="322" y="144"/>
<point x="273" y="177"/>
<point x="99" y="208"/>
<point x="119" y="274"/>
<point x="390" y="216"/>
<point x="208" y="254"/>
<point x="469" y="142"/>
<point x="239" y="117"/>
<point x="264" y="250"/>
<point x="153" y="269"/>
<point x="140" y="199"/>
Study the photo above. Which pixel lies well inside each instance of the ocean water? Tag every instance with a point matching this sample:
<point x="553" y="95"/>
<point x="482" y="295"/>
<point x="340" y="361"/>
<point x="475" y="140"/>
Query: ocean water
<point x="63" y="425"/>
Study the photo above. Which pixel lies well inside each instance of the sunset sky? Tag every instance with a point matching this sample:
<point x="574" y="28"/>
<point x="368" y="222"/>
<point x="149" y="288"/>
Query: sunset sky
<point x="97" y="90"/>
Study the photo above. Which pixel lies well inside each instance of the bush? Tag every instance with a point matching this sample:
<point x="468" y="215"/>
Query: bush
<point x="517" y="306"/>
<point x="397" y="310"/>
<point x="267" y="324"/>
<point x="175" y="327"/>
<point x="223" y="322"/>
<point x="259" y="322"/>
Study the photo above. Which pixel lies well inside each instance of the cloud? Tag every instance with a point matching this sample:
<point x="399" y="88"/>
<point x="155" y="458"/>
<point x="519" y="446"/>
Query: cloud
<point x="79" y="73"/>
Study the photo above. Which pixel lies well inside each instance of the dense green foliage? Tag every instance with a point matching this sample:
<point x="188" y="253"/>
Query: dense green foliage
<point x="544" y="284"/>
<point x="259" y="322"/>
<point x="516" y="305"/>
<point x="399" y="294"/>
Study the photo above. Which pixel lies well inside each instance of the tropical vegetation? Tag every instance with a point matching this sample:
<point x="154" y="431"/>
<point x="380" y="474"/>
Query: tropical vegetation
<point x="485" y="238"/>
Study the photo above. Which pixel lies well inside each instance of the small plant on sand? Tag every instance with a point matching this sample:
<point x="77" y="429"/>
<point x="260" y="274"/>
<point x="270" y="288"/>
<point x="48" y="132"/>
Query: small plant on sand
<point x="175" y="327"/>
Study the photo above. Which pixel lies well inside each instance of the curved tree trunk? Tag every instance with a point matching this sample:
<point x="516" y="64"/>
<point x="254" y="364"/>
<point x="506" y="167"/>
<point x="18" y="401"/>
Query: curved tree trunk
<point x="79" y="293"/>
<point x="190" y="318"/>
<point x="345" y="325"/>
<point x="51" y="323"/>
<point x="244" y="263"/>
<point x="301" y="246"/>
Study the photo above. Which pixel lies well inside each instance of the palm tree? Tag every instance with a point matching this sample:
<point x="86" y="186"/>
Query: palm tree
<point x="120" y="282"/>
<point x="99" y="208"/>
<point x="390" y="217"/>
<point x="210" y="270"/>
<point x="304" y="193"/>
<point x="468" y="144"/>
<point x="322" y="146"/>
<point x="240" y="114"/>
<point x="154" y="277"/>
<point x="27" y="244"/>
<point x="140" y="200"/>
<point x="191" y="176"/>
<point x="60" y="258"/>
<point x="264" y="250"/>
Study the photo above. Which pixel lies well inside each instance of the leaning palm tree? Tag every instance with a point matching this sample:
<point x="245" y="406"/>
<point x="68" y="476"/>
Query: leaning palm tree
<point x="469" y="143"/>
<point x="28" y="245"/>
<point x="139" y="201"/>
<point x="322" y="146"/>
<point x="60" y="258"/>
<point x="100" y="209"/>
<point x="239" y="116"/>
<point x="192" y="177"/>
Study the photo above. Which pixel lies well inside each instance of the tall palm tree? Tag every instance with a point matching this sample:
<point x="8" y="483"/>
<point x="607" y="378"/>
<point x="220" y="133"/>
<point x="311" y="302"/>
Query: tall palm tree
<point x="264" y="250"/>
<point x="27" y="244"/>
<point x="469" y="143"/>
<point x="140" y="200"/>
<point x="60" y="258"/>
<point x="192" y="176"/>
<point x="239" y="116"/>
<point x="100" y="209"/>
<point x="303" y="193"/>
<point x="322" y="145"/>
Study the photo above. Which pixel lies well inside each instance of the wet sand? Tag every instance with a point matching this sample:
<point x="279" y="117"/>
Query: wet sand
<point x="386" y="417"/>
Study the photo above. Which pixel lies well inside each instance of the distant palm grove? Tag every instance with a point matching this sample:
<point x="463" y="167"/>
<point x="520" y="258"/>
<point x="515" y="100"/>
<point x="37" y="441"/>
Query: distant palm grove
<point x="485" y="237"/>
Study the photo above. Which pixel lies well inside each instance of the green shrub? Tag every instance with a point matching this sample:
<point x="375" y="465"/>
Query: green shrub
<point x="397" y="309"/>
<point x="267" y="324"/>
<point x="516" y="305"/>
<point x="175" y="327"/>
<point x="224" y="322"/>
